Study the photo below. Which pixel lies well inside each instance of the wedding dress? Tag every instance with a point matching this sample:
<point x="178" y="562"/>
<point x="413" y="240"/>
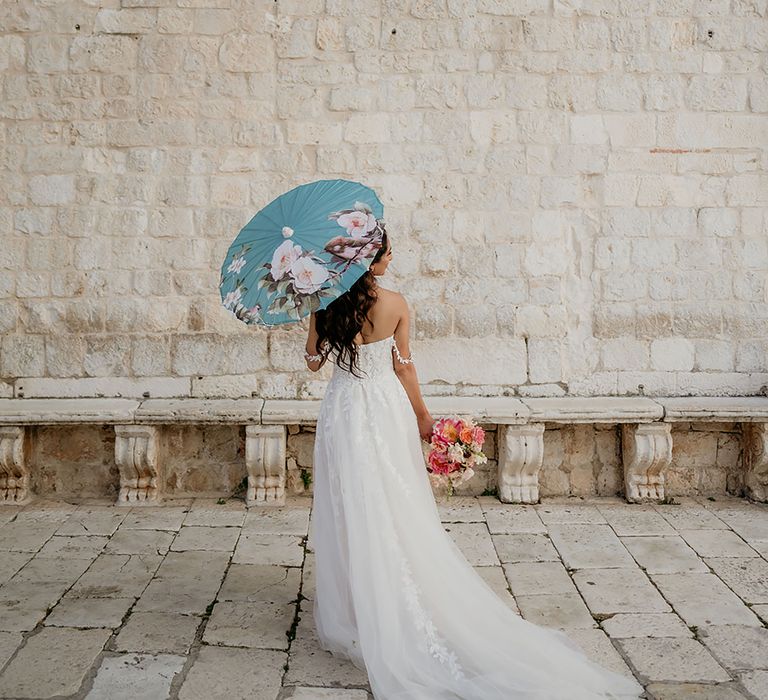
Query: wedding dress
<point x="394" y="593"/>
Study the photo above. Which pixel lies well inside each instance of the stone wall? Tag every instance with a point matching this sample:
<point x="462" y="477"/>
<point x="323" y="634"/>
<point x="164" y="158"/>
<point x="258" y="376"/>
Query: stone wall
<point x="576" y="189"/>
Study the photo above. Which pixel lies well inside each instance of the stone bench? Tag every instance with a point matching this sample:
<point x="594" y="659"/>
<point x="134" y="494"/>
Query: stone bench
<point x="646" y="438"/>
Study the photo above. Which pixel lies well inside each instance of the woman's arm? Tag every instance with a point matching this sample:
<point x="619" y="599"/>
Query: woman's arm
<point x="406" y="372"/>
<point x="311" y="348"/>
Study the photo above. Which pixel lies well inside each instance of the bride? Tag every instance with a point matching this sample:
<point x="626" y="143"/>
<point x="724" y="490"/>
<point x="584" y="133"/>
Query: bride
<point x="394" y="593"/>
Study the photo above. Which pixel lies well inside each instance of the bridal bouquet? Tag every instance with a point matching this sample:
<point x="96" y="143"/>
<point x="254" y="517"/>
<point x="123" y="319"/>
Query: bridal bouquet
<point x="456" y="447"/>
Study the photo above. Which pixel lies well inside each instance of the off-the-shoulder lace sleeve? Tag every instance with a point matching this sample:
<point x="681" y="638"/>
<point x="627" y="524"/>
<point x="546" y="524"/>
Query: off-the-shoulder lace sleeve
<point x="400" y="358"/>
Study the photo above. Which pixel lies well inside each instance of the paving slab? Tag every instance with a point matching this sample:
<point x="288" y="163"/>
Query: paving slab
<point x="126" y="541"/>
<point x="637" y="521"/>
<point x="690" y="517"/>
<point x="72" y="611"/>
<point x="234" y="674"/>
<point x="598" y="647"/>
<point x="695" y="691"/>
<point x="186" y="582"/>
<point x="503" y="520"/>
<point x="261" y="583"/>
<point x="257" y="548"/>
<point x="79" y="547"/>
<point x="703" y="599"/>
<point x="539" y="578"/>
<point x="50" y="569"/>
<point x="277" y="521"/>
<point x="93" y="520"/>
<point x="53" y="662"/>
<point x="252" y="625"/>
<point x="157" y="633"/>
<point x="625" y="625"/>
<point x="211" y="539"/>
<point x="24" y="604"/>
<point x="117" y="576"/>
<point x="310" y="664"/>
<point x="673" y="659"/>
<point x="11" y="562"/>
<point x="737" y="647"/>
<point x="460" y="509"/>
<point x="610" y="591"/>
<point x="474" y="541"/>
<point x="590" y="546"/>
<point x="664" y="555"/>
<point x="524" y="547"/>
<point x="717" y="543"/>
<point x="229" y="514"/>
<point x="168" y="518"/>
<point x="747" y="578"/>
<point x="9" y="642"/>
<point x="756" y="682"/>
<point x="25" y="536"/>
<point x="560" y="611"/>
<point x="494" y="577"/>
<point x="557" y="513"/>
<point x="328" y="694"/>
<point x="135" y="677"/>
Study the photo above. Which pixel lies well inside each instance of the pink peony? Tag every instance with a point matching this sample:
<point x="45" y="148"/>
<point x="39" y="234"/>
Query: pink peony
<point x="478" y="435"/>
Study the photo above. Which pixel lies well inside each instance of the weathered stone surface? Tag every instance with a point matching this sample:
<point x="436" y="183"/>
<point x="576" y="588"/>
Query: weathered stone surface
<point x="717" y="543"/>
<point x="89" y="612"/>
<point x="737" y="647"/>
<point x="673" y="659"/>
<point x="157" y="633"/>
<point x="609" y="591"/>
<point x="694" y="691"/>
<point x="239" y="674"/>
<point x="504" y="520"/>
<point x="748" y="578"/>
<point x="254" y="625"/>
<point x="117" y="576"/>
<point x="474" y="542"/>
<point x="284" y="550"/>
<point x="589" y="546"/>
<point x="538" y="578"/>
<point x="212" y="539"/>
<point x="262" y="583"/>
<point x="664" y="554"/>
<point x="9" y="642"/>
<point x="53" y="662"/>
<point x="135" y="677"/>
<point x="146" y="542"/>
<point x="623" y="625"/>
<point x="524" y="547"/>
<point x="560" y="611"/>
<point x="186" y="582"/>
<point x="636" y="521"/>
<point x="597" y="646"/>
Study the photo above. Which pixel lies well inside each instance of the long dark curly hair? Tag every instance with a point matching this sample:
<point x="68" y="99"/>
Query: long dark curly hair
<point x="339" y="323"/>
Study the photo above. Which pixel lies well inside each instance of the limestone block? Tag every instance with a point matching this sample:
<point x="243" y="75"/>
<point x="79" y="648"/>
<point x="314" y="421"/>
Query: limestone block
<point x="265" y="460"/>
<point x="646" y="453"/>
<point x="756" y="460"/>
<point x="136" y="448"/>
<point x="14" y="474"/>
<point x="521" y="454"/>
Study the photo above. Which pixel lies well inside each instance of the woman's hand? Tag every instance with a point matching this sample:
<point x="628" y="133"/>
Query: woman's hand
<point x="426" y="424"/>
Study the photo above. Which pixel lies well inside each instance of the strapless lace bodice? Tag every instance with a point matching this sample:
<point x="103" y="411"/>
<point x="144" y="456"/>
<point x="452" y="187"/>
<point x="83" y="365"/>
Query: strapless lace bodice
<point x="374" y="362"/>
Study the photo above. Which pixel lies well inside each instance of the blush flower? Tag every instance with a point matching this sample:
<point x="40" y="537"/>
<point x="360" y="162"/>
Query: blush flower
<point x="284" y="256"/>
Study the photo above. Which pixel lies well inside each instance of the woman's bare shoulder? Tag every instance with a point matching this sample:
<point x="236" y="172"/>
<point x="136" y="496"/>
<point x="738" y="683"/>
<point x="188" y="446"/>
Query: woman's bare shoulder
<point x="390" y="298"/>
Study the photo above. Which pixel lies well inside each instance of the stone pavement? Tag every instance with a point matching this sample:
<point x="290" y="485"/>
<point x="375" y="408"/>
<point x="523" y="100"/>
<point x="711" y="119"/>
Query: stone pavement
<point x="199" y="600"/>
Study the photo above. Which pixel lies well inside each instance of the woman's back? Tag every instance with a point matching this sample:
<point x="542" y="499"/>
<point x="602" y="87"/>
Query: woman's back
<point x="384" y="316"/>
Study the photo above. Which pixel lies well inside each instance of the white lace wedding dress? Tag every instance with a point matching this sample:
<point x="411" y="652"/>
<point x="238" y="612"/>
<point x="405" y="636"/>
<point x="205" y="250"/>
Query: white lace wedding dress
<point x="394" y="593"/>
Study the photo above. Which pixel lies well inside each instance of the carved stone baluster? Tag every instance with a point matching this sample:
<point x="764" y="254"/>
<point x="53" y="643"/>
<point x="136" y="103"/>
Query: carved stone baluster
<point x="520" y="454"/>
<point x="14" y="475"/>
<point x="265" y="454"/>
<point x="136" y="458"/>
<point x="756" y="460"/>
<point x="646" y="453"/>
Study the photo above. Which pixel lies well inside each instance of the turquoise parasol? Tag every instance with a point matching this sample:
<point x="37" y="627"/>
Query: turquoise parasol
<point x="302" y="251"/>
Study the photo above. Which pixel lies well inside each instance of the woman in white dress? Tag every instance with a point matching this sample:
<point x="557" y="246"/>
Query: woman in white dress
<point x="394" y="593"/>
